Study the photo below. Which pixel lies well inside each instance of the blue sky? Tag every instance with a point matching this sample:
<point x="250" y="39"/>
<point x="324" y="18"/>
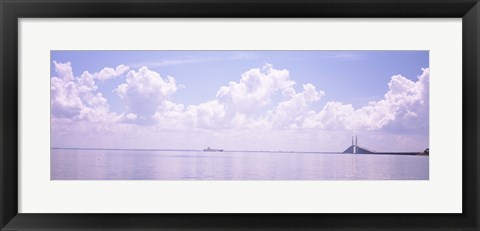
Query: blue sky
<point x="346" y="85"/>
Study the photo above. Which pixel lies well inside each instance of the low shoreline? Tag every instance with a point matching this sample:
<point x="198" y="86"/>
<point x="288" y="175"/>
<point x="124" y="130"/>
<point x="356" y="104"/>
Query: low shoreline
<point x="227" y="151"/>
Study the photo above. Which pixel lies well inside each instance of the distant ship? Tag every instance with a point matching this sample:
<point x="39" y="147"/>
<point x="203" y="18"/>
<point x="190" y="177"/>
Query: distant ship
<point x="208" y="149"/>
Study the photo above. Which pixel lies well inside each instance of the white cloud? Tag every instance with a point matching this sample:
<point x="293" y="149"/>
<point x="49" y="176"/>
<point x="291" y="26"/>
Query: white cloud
<point x="207" y="115"/>
<point x="86" y="83"/>
<point x="66" y="91"/>
<point x="109" y="73"/>
<point x="126" y="118"/>
<point x="145" y="91"/>
<point x="65" y="101"/>
<point x="171" y="116"/>
<point x="411" y="103"/>
<point x="64" y="70"/>
<point x="131" y="116"/>
<point x="211" y="114"/>
<point x="76" y="97"/>
<point x="333" y="116"/>
<point x="404" y="107"/>
<point x="247" y="106"/>
<point x="291" y="113"/>
<point x="96" y="109"/>
<point x="255" y="89"/>
<point x="237" y="105"/>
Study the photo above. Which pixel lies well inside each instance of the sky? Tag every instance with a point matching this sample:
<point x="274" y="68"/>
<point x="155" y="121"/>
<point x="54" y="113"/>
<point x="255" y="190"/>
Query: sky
<point x="240" y="100"/>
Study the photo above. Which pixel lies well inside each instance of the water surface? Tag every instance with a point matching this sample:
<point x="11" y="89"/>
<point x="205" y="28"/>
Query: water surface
<point x="77" y="164"/>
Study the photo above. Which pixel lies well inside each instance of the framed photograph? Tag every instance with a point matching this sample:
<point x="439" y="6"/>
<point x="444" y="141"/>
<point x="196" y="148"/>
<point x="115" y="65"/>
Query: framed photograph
<point x="223" y="115"/>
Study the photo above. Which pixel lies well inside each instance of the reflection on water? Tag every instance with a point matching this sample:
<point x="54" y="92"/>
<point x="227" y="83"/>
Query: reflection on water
<point x="72" y="164"/>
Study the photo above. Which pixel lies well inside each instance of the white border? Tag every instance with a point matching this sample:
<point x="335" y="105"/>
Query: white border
<point x="441" y="194"/>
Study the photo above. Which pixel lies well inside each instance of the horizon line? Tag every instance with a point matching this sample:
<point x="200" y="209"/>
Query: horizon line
<point x="190" y="150"/>
<point x="195" y="150"/>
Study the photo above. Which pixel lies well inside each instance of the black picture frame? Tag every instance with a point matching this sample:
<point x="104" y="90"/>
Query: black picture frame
<point x="12" y="10"/>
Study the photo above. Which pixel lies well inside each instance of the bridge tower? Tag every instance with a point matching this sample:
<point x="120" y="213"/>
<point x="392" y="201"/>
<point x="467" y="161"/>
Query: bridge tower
<point x="355" y="149"/>
<point x="356" y="144"/>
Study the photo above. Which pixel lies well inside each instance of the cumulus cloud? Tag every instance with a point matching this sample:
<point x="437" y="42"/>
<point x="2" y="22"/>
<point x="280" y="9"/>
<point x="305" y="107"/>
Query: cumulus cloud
<point x="207" y="115"/>
<point x="410" y="103"/>
<point x="246" y="104"/>
<point x="174" y="116"/>
<point x="333" y="116"/>
<point x="403" y="108"/>
<point x="126" y="118"/>
<point x="291" y="113"/>
<point x="262" y="98"/>
<point x="262" y="101"/>
<point x="67" y="92"/>
<point x="145" y="92"/>
<point x="255" y="89"/>
<point x="76" y="97"/>
<point x="109" y="73"/>
<point x="210" y="114"/>
<point x="239" y="105"/>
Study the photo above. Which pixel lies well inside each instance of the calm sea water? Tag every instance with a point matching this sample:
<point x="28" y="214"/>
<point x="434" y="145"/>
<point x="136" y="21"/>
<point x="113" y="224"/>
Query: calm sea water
<point x="70" y="164"/>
